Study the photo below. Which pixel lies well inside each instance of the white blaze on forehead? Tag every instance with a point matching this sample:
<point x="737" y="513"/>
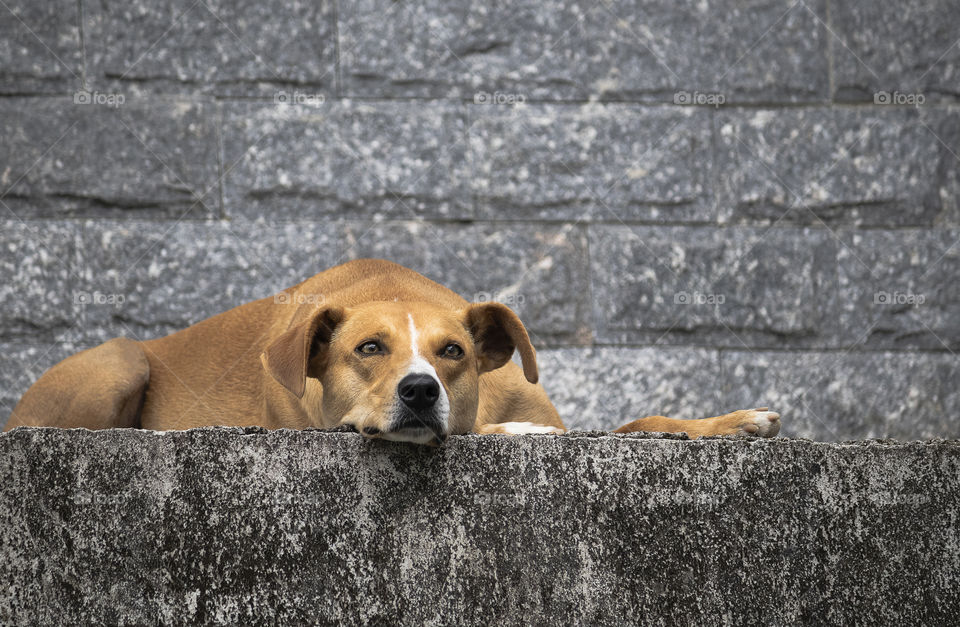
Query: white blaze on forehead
<point x="418" y="364"/>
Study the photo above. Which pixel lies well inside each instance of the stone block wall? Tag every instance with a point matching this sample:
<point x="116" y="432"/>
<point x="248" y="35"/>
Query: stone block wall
<point x="695" y="206"/>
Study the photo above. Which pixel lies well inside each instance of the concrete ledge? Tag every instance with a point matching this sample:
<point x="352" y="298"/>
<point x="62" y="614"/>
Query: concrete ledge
<point x="248" y="526"/>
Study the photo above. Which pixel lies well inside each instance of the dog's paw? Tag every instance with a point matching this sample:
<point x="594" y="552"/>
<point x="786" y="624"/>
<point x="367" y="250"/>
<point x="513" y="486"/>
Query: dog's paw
<point x="758" y="422"/>
<point x="518" y="428"/>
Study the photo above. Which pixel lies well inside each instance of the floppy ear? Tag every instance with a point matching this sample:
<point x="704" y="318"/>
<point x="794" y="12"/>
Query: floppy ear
<point x="497" y="332"/>
<point x="289" y="357"/>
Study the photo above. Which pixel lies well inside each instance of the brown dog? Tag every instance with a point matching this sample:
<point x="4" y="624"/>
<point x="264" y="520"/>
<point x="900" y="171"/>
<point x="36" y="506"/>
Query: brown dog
<point x="369" y="344"/>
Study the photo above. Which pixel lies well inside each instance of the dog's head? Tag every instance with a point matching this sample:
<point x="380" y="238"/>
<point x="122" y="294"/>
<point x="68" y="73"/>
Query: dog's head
<point x="396" y="370"/>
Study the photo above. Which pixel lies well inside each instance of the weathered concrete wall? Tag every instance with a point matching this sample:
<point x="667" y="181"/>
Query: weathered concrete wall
<point x="234" y="526"/>
<point x="794" y="246"/>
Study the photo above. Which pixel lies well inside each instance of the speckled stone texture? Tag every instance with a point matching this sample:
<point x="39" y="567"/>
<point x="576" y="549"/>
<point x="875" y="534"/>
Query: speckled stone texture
<point x="593" y="162"/>
<point x="233" y="526"/>
<point x="40" y="47"/>
<point x="141" y="157"/>
<point x="898" y="288"/>
<point x="604" y="388"/>
<point x="910" y="47"/>
<point x="158" y="278"/>
<point x="39" y="266"/>
<point x="393" y="160"/>
<point x="562" y="49"/>
<point x="883" y="165"/>
<point x="845" y="395"/>
<point x="225" y="47"/>
<point x="755" y="287"/>
<point x="715" y="287"/>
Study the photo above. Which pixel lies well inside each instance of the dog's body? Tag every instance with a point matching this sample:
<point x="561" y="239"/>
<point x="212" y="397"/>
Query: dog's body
<point x="369" y="344"/>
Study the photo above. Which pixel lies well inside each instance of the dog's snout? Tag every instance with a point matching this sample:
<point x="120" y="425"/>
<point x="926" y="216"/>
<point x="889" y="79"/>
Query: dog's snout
<point x="418" y="391"/>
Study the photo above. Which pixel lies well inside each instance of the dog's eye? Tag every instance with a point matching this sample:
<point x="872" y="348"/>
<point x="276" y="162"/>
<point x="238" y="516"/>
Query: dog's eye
<point x="453" y="350"/>
<point x="370" y="348"/>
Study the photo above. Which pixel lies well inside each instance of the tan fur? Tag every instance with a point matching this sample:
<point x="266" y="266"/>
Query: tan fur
<point x="289" y="361"/>
<point x="757" y="421"/>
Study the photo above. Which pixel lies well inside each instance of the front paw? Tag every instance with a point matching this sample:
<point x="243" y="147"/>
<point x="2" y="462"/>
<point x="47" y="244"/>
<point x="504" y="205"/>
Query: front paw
<point x="758" y="422"/>
<point x="517" y="428"/>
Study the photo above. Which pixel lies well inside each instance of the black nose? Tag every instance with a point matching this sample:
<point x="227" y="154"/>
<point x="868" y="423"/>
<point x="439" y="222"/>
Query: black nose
<point x="418" y="391"/>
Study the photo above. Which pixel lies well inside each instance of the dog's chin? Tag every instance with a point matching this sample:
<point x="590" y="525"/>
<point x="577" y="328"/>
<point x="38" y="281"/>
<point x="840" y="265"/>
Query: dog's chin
<point x="416" y="435"/>
<point x="402" y="425"/>
<point x="406" y="426"/>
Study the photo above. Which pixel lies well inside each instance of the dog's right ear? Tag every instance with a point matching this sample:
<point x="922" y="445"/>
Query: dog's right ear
<point x="498" y="332"/>
<point x="301" y="347"/>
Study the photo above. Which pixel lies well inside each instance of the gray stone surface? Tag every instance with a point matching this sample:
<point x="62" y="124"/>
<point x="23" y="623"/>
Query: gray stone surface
<point x="596" y="162"/>
<point x="910" y="47"/>
<point x="878" y="166"/>
<point x="233" y="526"/>
<point x="396" y="160"/>
<point x="226" y="47"/>
<point x="781" y="287"/>
<point x="763" y="50"/>
<point x="731" y="287"/>
<point x="40" y="47"/>
<point x="147" y="279"/>
<point x="841" y="395"/>
<point x="604" y="388"/>
<point x="39" y="265"/>
<point x="896" y="288"/>
<point x="156" y="158"/>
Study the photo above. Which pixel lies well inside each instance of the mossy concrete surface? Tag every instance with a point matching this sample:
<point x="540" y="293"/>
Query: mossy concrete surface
<point x="245" y="526"/>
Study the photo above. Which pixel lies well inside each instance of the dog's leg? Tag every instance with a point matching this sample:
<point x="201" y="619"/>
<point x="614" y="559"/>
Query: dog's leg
<point x="511" y="405"/>
<point x="99" y="388"/>
<point x="750" y="422"/>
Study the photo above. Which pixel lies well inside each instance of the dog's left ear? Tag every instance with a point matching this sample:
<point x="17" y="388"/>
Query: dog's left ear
<point x="497" y="332"/>
<point x="300" y="349"/>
